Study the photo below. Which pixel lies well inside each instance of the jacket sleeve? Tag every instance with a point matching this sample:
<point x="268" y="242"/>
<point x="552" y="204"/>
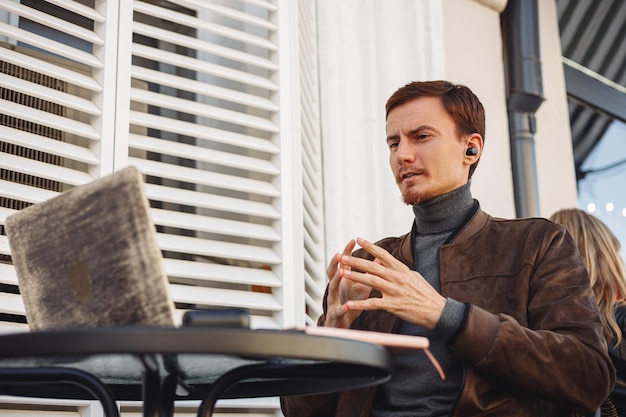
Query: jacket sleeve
<point x="555" y="350"/>
<point x="322" y="405"/>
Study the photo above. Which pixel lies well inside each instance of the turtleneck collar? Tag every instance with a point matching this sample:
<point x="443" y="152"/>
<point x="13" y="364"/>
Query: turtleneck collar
<point x="445" y="212"/>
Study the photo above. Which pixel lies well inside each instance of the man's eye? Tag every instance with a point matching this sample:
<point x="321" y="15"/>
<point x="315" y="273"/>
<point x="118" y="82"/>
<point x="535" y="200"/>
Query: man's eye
<point x="393" y="145"/>
<point x="422" y="136"/>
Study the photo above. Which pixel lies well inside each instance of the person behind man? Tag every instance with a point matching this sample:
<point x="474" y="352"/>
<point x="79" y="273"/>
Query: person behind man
<point x="506" y="304"/>
<point x="600" y="251"/>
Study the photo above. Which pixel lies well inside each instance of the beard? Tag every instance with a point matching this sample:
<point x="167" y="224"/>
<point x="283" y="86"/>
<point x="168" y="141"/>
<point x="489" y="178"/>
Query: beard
<point x="416" y="193"/>
<point x="412" y="197"/>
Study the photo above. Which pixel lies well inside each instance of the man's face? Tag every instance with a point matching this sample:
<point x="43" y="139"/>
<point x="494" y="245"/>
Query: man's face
<point x="426" y="154"/>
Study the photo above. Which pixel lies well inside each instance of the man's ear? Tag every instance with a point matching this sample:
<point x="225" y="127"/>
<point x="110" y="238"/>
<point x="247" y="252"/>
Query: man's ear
<point x="475" y="143"/>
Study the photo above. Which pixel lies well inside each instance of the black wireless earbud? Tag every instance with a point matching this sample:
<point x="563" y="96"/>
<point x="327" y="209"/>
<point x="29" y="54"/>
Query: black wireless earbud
<point x="471" y="151"/>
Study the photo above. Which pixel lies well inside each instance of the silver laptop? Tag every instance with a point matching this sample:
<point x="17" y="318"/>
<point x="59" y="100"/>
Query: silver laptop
<point x="90" y="257"/>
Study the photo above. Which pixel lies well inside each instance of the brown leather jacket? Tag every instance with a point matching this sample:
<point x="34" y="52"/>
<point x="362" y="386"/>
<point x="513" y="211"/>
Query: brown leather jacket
<point x="532" y="344"/>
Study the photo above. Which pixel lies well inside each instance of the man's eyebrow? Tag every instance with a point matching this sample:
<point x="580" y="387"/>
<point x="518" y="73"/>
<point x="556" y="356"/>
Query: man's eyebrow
<point x="413" y="132"/>
<point x="422" y="128"/>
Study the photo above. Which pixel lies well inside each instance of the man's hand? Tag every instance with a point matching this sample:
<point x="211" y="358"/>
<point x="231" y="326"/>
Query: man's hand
<point x="405" y="293"/>
<point x="341" y="291"/>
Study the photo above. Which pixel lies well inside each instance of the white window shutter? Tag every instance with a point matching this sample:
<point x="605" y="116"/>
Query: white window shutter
<point x="215" y="102"/>
<point x="205" y="128"/>
<point x="312" y="181"/>
<point x="56" y="72"/>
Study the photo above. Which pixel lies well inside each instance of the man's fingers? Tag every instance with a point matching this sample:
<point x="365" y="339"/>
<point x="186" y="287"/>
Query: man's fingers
<point x="348" y="251"/>
<point x="367" y="304"/>
<point x="333" y="284"/>
<point x="381" y="256"/>
<point x="334" y="263"/>
<point x="375" y="250"/>
<point x="363" y="265"/>
<point x="331" y="270"/>
<point x="371" y="280"/>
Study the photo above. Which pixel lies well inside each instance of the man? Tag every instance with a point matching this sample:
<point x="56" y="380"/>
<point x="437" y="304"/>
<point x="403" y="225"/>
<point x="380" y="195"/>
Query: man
<point x="506" y="304"/>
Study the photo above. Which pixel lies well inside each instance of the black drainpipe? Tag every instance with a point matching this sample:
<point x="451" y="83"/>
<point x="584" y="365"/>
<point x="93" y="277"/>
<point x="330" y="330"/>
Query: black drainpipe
<point x="520" y="30"/>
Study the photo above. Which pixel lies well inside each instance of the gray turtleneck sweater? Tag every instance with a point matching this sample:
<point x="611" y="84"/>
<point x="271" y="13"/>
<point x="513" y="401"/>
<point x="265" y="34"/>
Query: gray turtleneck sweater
<point x="416" y="388"/>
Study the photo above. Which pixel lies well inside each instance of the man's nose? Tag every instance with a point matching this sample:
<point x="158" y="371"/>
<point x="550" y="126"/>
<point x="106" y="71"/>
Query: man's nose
<point x="404" y="152"/>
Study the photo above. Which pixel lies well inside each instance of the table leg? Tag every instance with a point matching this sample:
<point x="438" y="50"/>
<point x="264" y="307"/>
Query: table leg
<point x="151" y="387"/>
<point x="168" y="394"/>
<point x="58" y="375"/>
<point x="227" y="380"/>
<point x="173" y="384"/>
<point x="158" y="399"/>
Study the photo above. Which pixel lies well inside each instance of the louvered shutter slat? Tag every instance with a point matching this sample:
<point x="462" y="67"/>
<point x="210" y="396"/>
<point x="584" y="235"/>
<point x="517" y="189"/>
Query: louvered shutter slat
<point x="208" y="224"/>
<point x="4" y="246"/>
<point x="23" y="192"/>
<point x="52" y="22"/>
<point x="228" y="204"/>
<point x="312" y="217"/>
<point x="48" y="119"/>
<point x="49" y="94"/>
<point x="231" y="13"/>
<point x="313" y="287"/>
<point x="311" y="238"/>
<point x="54" y="71"/>
<point x="7" y="273"/>
<point x="203" y="67"/>
<point x="79" y="9"/>
<point x="204" y="110"/>
<point x="313" y="305"/>
<point x="4" y="213"/>
<point x="200" y="88"/>
<point x="199" y="45"/>
<point x="265" y="4"/>
<point x="202" y="271"/>
<point x="218" y="249"/>
<point x="187" y="20"/>
<point x="49" y="45"/>
<point x="11" y="304"/>
<point x="11" y="327"/>
<point x="52" y="146"/>
<point x="192" y="175"/>
<point x="206" y="133"/>
<point x="309" y="192"/>
<point x="202" y="154"/>
<point x="44" y="170"/>
<point x="224" y="297"/>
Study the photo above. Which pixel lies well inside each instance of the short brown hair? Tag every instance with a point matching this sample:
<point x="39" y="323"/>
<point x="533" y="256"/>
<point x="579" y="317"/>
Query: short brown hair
<point x="459" y="101"/>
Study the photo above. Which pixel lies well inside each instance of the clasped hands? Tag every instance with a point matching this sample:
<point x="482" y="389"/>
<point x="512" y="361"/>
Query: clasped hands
<point x="405" y="293"/>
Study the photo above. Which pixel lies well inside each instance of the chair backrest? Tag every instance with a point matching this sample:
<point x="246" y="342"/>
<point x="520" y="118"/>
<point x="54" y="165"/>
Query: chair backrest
<point x="90" y="257"/>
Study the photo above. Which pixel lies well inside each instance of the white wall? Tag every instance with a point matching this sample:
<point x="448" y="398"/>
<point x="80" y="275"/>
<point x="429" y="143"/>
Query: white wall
<point x="553" y="141"/>
<point x="473" y="46"/>
<point x="474" y="57"/>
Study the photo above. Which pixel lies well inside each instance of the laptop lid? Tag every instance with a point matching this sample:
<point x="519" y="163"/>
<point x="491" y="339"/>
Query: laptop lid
<point x="89" y="257"/>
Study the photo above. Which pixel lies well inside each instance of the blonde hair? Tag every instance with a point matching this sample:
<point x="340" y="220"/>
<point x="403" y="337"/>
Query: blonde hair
<point x="600" y="252"/>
